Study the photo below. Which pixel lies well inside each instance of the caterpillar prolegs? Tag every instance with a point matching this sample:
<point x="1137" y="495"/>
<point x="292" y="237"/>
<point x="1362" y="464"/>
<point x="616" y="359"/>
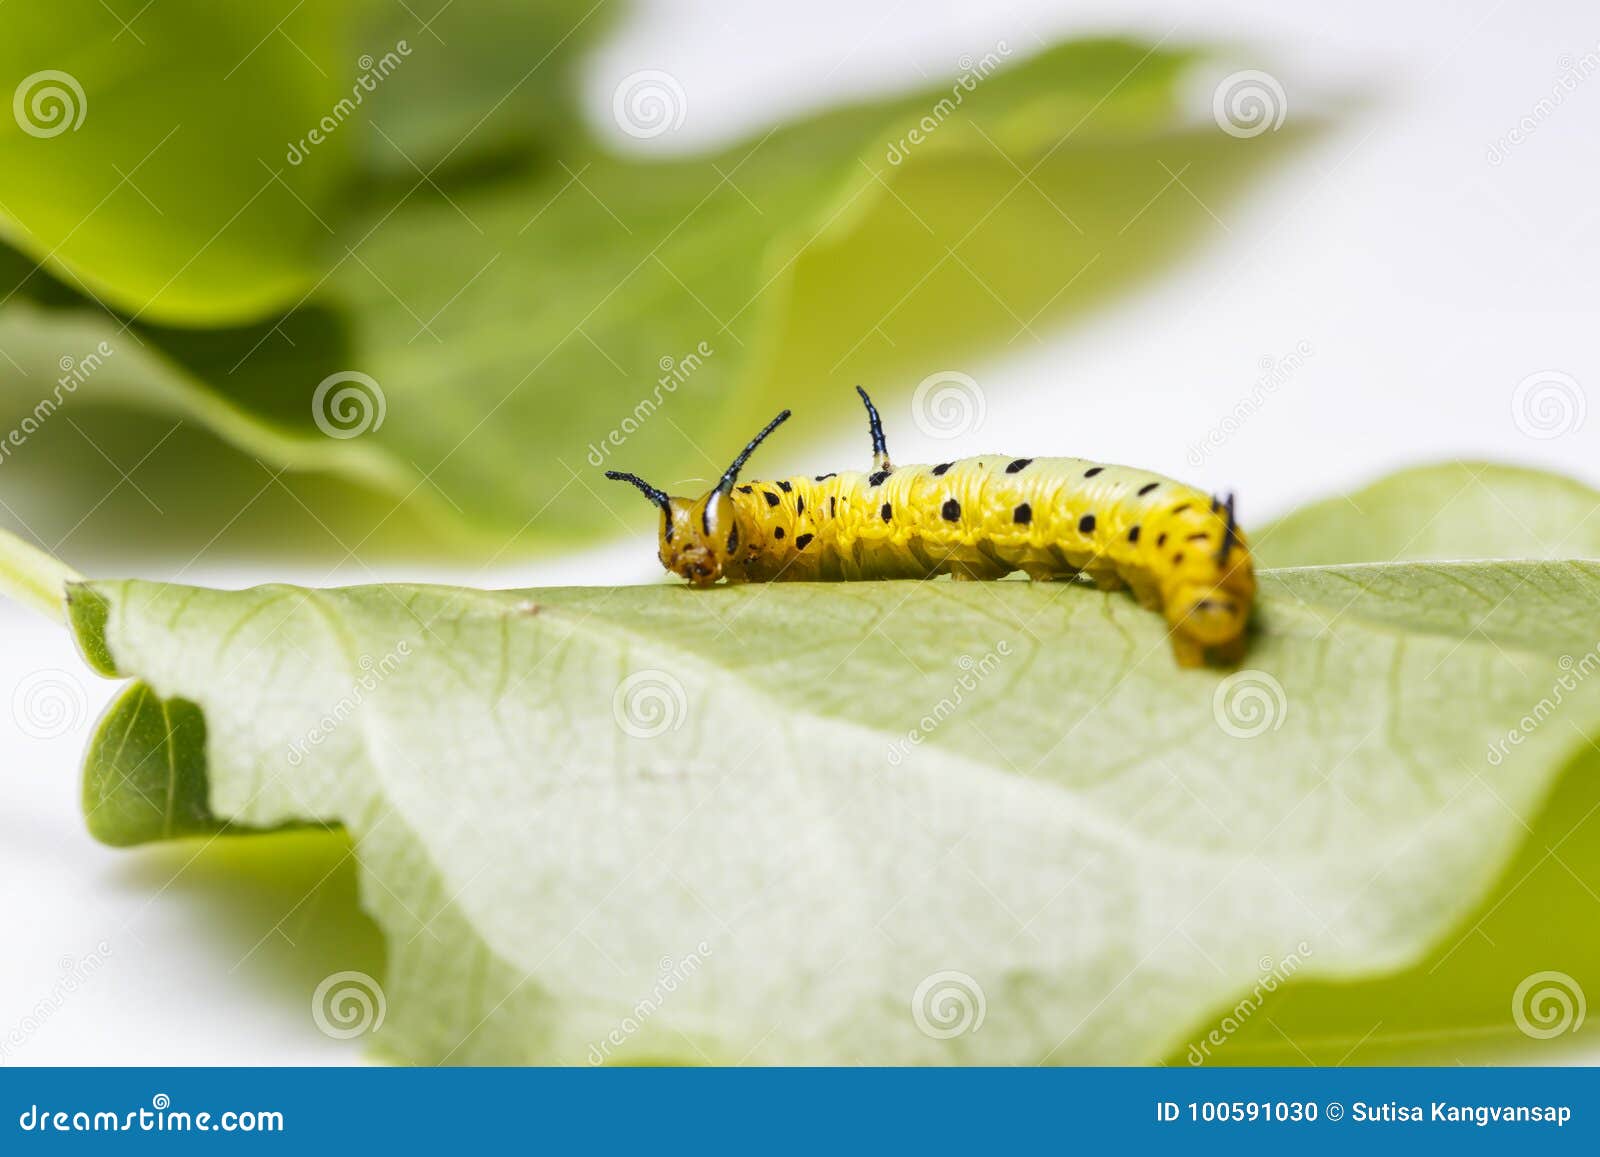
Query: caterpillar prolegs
<point x="1178" y="549"/>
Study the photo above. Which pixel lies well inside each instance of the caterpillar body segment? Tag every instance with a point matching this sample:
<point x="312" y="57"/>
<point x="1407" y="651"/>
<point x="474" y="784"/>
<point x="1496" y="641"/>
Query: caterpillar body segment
<point x="1178" y="549"/>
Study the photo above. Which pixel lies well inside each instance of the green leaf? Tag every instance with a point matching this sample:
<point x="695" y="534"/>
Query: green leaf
<point x="146" y="740"/>
<point x="118" y="371"/>
<point x="521" y="330"/>
<point x="145" y="163"/>
<point x="485" y="79"/>
<point x="559" y="798"/>
<point x="1451" y="511"/>
<point x="1455" y="1002"/>
<point x="1459" y="1002"/>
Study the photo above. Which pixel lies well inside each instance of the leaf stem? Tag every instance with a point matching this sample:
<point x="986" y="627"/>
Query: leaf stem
<point x="35" y="578"/>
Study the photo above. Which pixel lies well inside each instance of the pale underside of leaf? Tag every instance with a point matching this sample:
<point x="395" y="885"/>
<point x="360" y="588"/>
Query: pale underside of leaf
<point x="1079" y="836"/>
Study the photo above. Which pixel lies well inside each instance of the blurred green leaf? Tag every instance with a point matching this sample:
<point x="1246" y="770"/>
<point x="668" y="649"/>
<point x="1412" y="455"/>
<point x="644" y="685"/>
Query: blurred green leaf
<point x="485" y="79"/>
<point x="1449" y="511"/>
<point x="511" y="330"/>
<point x="145" y="160"/>
<point x="1459" y="1002"/>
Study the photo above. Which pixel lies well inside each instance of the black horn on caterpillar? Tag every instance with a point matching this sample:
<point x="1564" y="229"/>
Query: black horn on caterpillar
<point x="731" y="474"/>
<point x="1177" y="548"/>
<point x="1230" y="533"/>
<point x="880" y="447"/>
<point x="658" y="497"/>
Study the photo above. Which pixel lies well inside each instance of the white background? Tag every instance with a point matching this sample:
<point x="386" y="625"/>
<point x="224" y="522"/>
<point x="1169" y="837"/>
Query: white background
<point x="1427" y="281"/>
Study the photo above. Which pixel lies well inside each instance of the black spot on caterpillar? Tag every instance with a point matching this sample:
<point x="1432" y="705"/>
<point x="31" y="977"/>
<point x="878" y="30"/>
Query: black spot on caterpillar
<point x="1051" y="518"/>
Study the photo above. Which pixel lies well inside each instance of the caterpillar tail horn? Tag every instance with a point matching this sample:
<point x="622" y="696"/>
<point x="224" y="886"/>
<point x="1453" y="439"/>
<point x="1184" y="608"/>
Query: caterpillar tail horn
<point x="880" y="447"/>
<point x="1230" y="534"/>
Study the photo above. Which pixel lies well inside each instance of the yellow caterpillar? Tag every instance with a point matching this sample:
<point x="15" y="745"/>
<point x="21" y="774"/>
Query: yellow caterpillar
<point x="1178" y="549"/>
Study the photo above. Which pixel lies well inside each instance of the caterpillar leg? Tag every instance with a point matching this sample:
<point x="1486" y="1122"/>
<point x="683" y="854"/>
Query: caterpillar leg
<point x="1105" y="578"/>
<point x="1190" y="653"/>
<point x="976" y="572"/>
<point x="1147" y="592"/>
<point x="1187" y="652"/>
<point x="1231" y="653"/>
<point x="1050" y="574"/>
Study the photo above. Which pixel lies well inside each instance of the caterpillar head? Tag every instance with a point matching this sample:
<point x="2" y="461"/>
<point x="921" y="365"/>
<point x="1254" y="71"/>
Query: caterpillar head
<point x="1209" y="600"/>
<point x="1213" y="613"/>
<point x="699" y="535"/>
